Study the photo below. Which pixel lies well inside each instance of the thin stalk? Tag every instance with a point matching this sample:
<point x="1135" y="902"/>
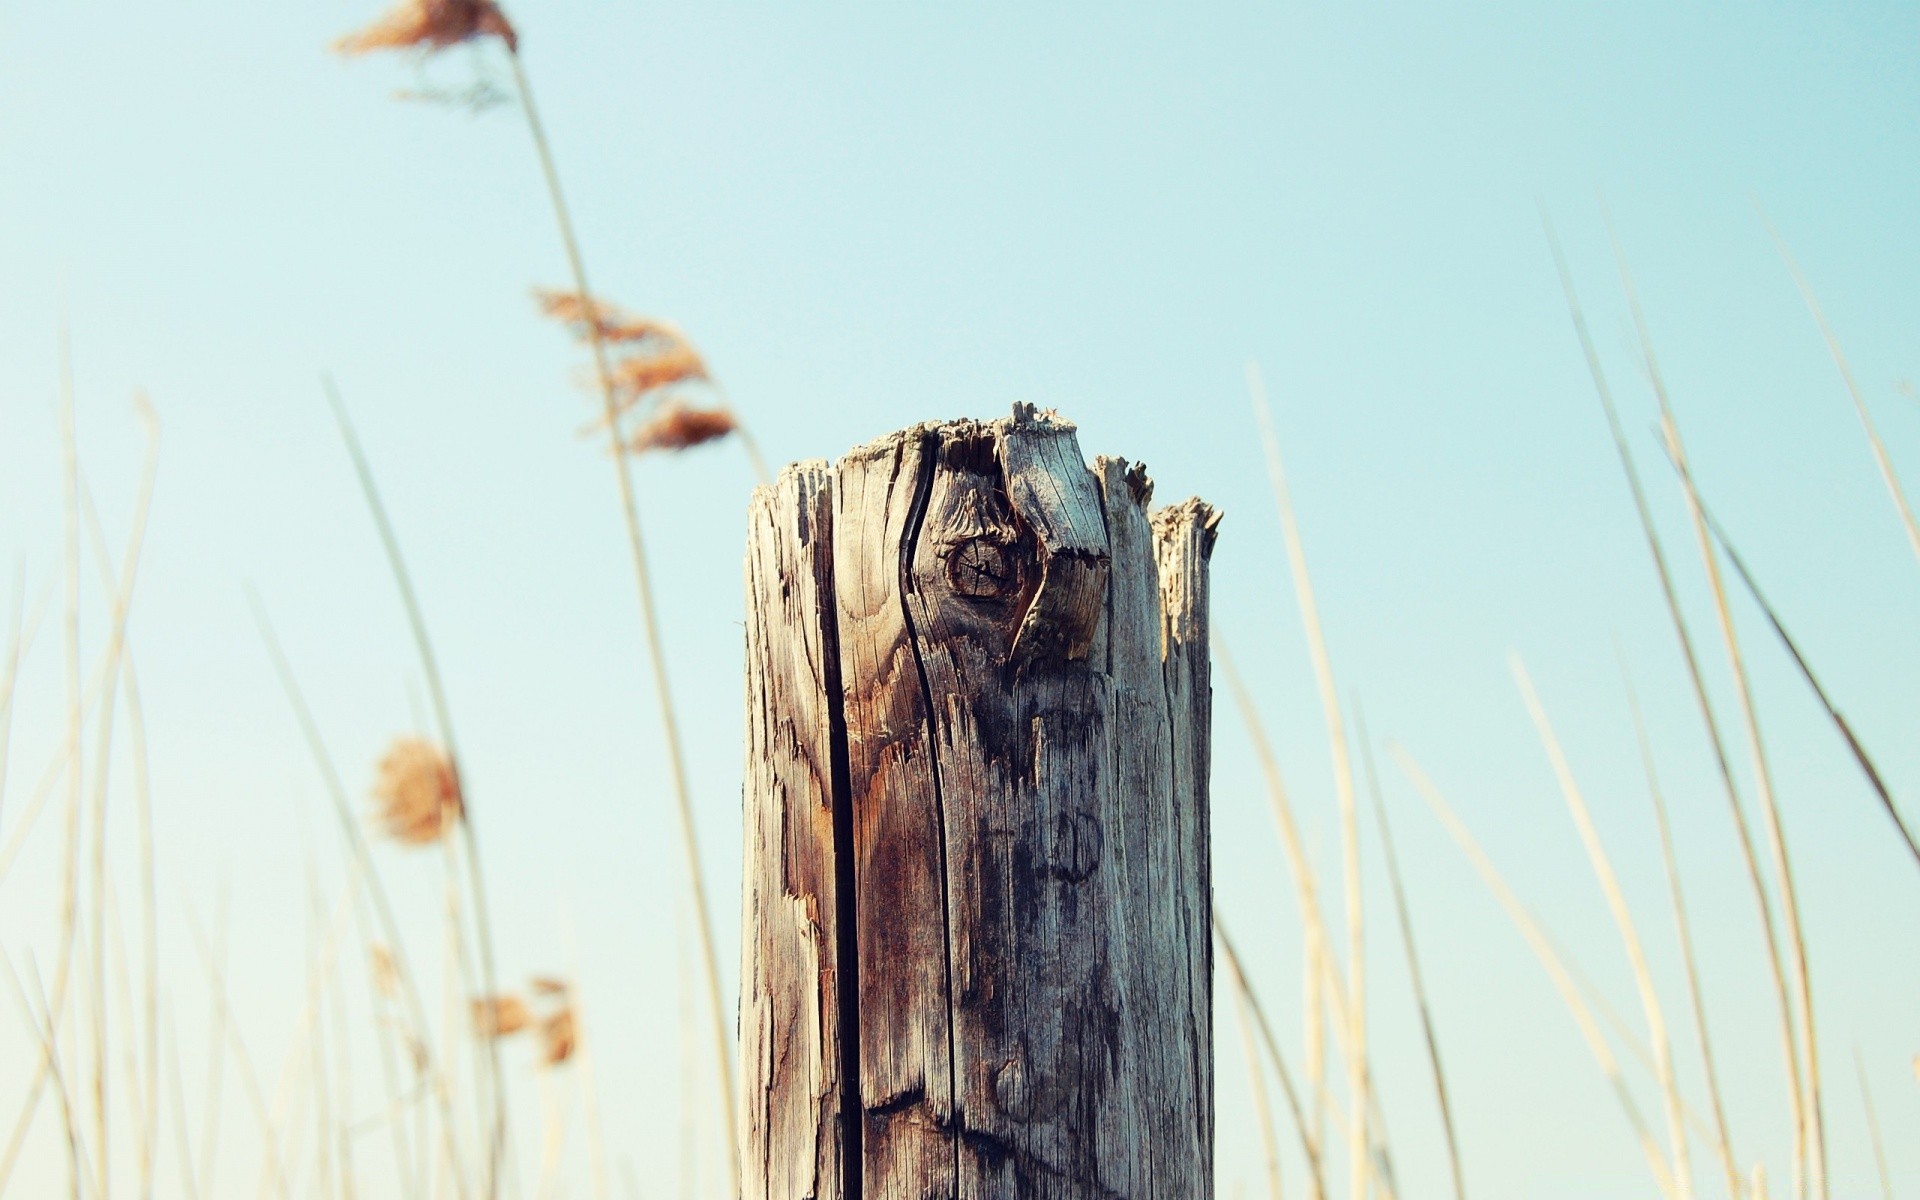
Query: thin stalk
<point x="649" y="622"/>
<point x="1308" y="1144"/>
<point x="115" y="653"/>
<point x="1789" y="1038"/>
<point x="1800" y="663"/>
<point x="1880" y="457"/>
<point x="274" y="1169"/>
<point x="1543" y="949"/>
<point x="436" y="691"/>
<point x="376" y="890"/>
<point x="1623" y="919"/>
<point x="1816" y="1137"/>
<point x="1873" y="1128"/>
<point x="1723" y="1140"/>
<point x="1776" y="834"/>
<point x="1359" y="1161"/>
<point x="47" y="1036"/>
<point x="1257" y="1084"/>
<point x="182" y="1144"/>
<point x="1405" y="916"/>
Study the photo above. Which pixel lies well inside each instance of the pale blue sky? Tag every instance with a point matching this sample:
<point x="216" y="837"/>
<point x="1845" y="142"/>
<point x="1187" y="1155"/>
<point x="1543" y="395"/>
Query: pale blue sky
<point x="868" y="215"/>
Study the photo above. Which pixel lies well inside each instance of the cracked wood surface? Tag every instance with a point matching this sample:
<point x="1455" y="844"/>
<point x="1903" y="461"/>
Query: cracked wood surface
<point x="977" y="960"/>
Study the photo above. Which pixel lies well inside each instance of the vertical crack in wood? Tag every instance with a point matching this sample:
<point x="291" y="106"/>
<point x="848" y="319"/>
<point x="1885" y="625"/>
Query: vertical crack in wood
<point x="846" y="927"/>
<point x="916" y="515"/>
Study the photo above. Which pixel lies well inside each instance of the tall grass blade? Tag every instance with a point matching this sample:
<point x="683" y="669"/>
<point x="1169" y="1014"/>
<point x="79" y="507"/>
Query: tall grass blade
<point x="1404" y="915"/>
<point x="650" y="625"/>
<point x="1881" y="458"/>
<point x="1629" y="932"/>
<point x="1543" y="949"/>
<point x="1723" y="1139"/>
<point x="1789" y="1038"/>
<point x="1355" y="1023"/>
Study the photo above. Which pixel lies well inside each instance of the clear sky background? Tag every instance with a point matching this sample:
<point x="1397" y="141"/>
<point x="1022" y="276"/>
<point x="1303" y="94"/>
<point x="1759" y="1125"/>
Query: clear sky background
<point x="868" y="215"/>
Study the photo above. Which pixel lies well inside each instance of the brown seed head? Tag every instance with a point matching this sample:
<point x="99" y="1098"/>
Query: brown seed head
<point x="677" y="426"/>
<point x="431" y="25"/>
<point x="417" y="794"/>
<point x="615" y="324"/>
<point x="547" y="985"/>
<point x="498" y="1016"/>
<point x="637" y="375"/>
<point x="557" y="1037"/>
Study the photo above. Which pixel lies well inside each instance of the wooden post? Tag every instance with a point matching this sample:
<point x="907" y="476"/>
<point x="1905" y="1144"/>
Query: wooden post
<point x="977" y="958"/>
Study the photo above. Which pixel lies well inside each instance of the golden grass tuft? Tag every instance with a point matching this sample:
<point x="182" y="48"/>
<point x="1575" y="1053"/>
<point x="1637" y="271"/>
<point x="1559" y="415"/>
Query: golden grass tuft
<point x="431" y="25"/>
<point x="417" y="793"/>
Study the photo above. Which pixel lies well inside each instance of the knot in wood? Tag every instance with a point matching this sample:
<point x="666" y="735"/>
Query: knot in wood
<point x="984" y="568"/>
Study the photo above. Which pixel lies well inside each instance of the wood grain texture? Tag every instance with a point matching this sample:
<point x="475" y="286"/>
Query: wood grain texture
<point x="1021" y="805"/>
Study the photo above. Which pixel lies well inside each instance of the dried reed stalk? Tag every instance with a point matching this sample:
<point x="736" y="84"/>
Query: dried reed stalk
<point x="1313" y="925"/>
<point x="182" y="1137"/>
<point x="1309" y="1145"/>
<point x="376" y="890"/>
<point x="1623" y="919"/>
<point x="649" y="621"/>
<point x="1404" y="914"/>
<point x="493" y="1092"/>
<point x="1359" y="1161"/>
<point x="1840" y="723"/>
<point x="1873" y="1128"/>
<point x="1770" y="812"/>
<point x="1789" y="1038"/>
<point x="1812" y="1115"/>
<point x="1880" y="457"/>
<point x="1543" y="949"/>
<point x="273" y="1168"/>
<point x="1683" y="931"/>
<point x="1257" y="1084"/>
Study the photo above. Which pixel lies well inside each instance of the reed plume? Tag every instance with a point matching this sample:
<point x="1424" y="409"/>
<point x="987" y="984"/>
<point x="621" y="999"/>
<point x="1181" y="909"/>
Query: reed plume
<point x="431" y="26"/>
<point x="417" y="793"/>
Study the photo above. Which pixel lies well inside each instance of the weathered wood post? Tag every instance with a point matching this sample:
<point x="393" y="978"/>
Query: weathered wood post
<point x="977" y="960"/>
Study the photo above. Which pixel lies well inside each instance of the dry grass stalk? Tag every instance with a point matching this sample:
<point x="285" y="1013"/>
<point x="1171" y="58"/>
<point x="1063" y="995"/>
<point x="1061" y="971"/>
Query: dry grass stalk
<point x="414" y="1032"/>
<point x="431" y="25"/>
<point x="1789" y="1037"/>
<point x="1880" y="457"/>
<point x="1873" y="1128"/>
<point x="1776" y="834"/>
<point x="1811" y="1116"/>
<point x="1359" y="1162"/>
<point x="1405" y="916"/>
<point x="1623" y="919"/>
<point x="1257" y="1085"/>
<point x="500" y="1016"/>
<point x="272" y="1167"/>
<point x="417" y="793"/>
<point x="491" y="1092"/>
<point x="1313" y="925"/>
<point x="643" y="581"/>
<point x="1309" y="1146"/>
<point x="1840" y="723"/>
<point x="1556" y="969"/>
<point x="1683" y="931"/>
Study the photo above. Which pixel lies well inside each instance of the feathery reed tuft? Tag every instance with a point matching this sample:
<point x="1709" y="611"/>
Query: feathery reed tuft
<point x="500" y="1016"/>
<point x="418" y="793"/>
<point x="558" y="1039"/>
<point x="431" y="25"/>
<point x="678" y="426"/>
